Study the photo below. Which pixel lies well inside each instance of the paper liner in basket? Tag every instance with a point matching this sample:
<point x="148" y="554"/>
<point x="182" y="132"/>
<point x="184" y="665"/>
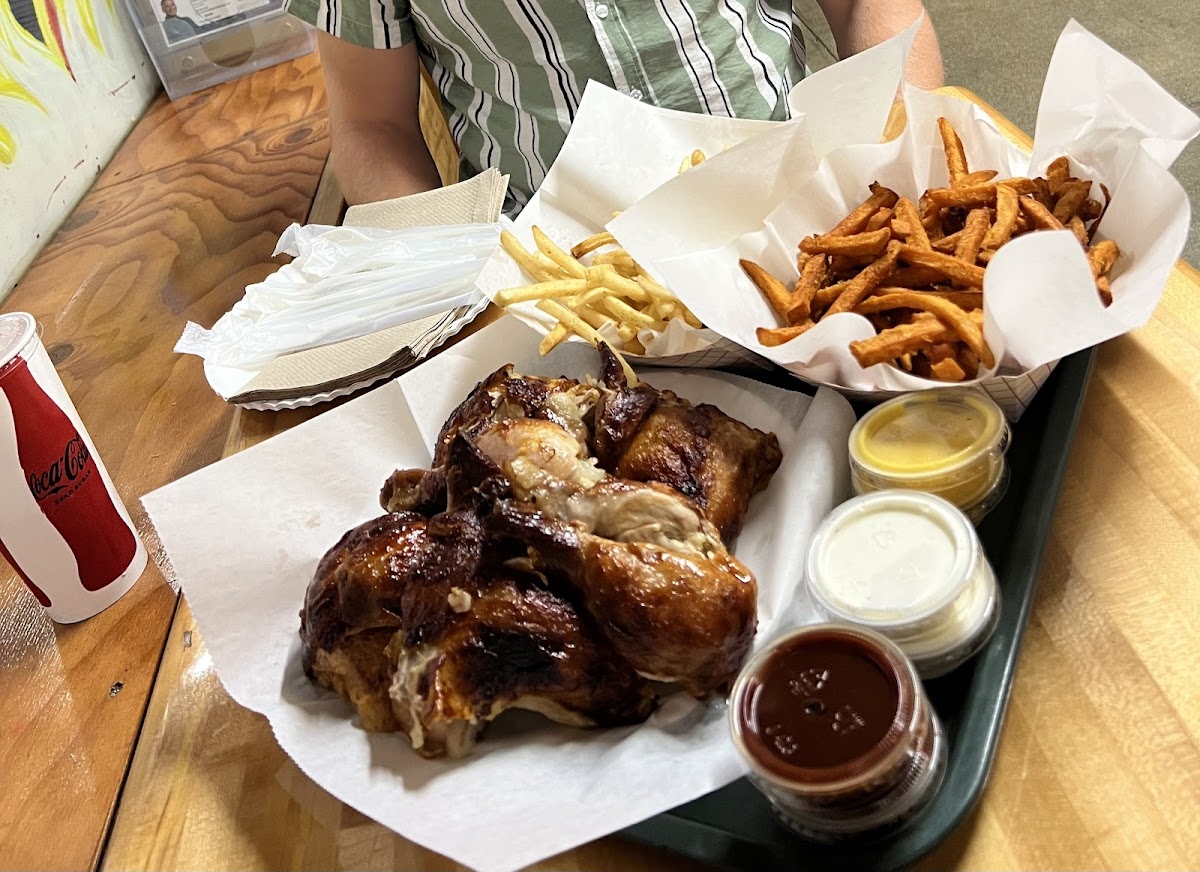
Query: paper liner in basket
<point x="244" y="537"/>
<point x="1115" y="123"/>
<point x="620" y="149"/>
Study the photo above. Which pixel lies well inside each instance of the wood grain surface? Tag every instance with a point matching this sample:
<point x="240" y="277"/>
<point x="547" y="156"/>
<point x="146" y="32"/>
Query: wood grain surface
<point x="176" y="236"/>
<point x="1098" y="766"/>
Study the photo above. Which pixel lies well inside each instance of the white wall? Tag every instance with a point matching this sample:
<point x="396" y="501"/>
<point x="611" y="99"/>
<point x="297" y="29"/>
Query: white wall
<point x="50" y="153"/>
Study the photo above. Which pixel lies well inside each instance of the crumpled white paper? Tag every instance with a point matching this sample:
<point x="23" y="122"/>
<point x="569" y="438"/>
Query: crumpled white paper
<point x="244" y="537"/>
<point x="1117" y="125"/>
<point x="620" y="149"/>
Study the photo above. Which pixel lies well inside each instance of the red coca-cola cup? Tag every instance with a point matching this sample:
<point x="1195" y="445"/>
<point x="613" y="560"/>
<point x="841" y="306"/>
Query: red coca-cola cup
<point x="62" y="526"/>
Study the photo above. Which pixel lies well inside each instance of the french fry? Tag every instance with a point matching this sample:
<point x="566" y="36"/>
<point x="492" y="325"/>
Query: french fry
<point x="857" y="245"/>
<point x="947" y="244"/>
<point x="956" y="158"/>
<point x="524" y="259"/>
<point x="596" y="240"/>
<point x="625" y="313"/>
<point x="950" y="267"/>
<point x="690" y="319"/>
<point x="772" y="336"/>
<point x="546" y="290"/>
<point x="566" y="263"/>
<point x="570" y="320"/>
<point x="606" y="276"/>
<point x="867" y="280"/>
<point x="821" y="300"/>
<point x="775" y="291"/>
<point x="551" y="340"/>
<point x="1105" y="290"/>
<point x="697" y="157"/>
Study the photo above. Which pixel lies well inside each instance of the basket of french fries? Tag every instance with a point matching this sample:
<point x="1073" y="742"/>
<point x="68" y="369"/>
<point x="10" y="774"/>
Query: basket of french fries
<point x="558" y="269"/>
<point x="945" y="254"/>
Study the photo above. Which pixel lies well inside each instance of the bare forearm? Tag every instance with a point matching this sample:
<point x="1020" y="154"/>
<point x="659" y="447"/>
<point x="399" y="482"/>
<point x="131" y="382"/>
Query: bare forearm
<point x="381" y="161"/>
<point x="860" y="24"/>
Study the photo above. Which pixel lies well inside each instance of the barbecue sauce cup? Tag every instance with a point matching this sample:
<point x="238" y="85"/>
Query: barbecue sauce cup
<point x="837" y="732"/>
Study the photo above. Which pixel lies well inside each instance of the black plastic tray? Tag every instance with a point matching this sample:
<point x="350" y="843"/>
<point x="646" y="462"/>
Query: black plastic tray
<point x="734" y="828"/>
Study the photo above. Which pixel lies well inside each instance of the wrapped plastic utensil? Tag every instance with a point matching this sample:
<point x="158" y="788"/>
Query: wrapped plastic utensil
<point x="346" y="282"/>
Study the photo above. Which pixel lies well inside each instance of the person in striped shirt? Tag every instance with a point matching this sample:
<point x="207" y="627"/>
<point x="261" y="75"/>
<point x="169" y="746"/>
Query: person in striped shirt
<point x="511" y="72"/>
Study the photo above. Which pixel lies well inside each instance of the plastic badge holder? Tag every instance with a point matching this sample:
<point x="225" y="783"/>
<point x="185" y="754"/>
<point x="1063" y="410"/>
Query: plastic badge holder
<point x="909" y="566"/>
<point x="945" y="441"/>
<point x="191" y="52"/>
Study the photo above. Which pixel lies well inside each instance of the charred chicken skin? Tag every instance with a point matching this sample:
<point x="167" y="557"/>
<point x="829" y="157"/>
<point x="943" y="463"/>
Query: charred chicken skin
<point x="411" y="620"/>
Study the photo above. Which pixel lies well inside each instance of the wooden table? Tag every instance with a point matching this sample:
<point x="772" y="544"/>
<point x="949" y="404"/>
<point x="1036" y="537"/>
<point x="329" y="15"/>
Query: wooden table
<point x="121" y="750"/>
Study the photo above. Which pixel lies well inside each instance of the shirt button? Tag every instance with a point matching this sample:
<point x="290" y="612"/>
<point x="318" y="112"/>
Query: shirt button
<point x="602" y="11"/>
<point x="636" y="94"/>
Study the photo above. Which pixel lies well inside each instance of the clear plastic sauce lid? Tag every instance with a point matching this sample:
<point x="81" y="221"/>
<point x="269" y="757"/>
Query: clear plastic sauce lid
<point x="892" y="559"/>
<point x="928" y="434"/>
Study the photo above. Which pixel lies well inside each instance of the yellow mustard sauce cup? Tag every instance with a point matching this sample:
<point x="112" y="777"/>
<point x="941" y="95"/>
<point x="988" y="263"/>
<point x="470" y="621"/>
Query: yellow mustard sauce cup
<point x="946" y="441"/>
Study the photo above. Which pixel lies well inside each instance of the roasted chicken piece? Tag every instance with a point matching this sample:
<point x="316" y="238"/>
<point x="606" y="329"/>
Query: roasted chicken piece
<point x="426" y="630"/>
<point x="652" y="571"/>
<point x="676" y="614"/>
<point x="644" y="434"/>
<point x="504" y="395"/>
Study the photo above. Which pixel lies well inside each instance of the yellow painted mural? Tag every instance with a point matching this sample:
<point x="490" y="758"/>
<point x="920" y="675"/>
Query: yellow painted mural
<point x="73" y="79"/>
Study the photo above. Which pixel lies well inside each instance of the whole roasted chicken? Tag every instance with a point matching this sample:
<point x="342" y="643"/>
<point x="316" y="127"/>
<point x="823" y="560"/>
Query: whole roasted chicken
<point x="568" y="545"/>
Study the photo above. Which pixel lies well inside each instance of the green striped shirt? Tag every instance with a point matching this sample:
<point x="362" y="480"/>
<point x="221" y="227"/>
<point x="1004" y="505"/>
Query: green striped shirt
<point x="511" y="72"/>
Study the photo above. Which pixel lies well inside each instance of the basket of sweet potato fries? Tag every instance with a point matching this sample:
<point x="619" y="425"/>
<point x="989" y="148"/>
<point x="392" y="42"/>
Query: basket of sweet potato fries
<point x="916" y="270"/>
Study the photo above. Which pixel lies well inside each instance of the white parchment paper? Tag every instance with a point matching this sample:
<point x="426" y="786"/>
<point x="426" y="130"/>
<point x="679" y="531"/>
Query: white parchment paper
<point x="244" y="537"/>
<point x="1117" y="125"/>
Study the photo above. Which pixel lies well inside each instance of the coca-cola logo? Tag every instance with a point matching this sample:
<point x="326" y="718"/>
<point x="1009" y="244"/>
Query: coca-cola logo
<point x="59" y="475"/>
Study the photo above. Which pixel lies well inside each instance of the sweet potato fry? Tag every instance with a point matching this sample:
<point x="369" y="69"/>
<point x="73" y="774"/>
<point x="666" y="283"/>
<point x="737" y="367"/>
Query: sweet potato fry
<point x="978" y="177"/>
<point x="966" y="300"/>
<point x="857" y="220"/>
<point x="1039" y="216"/>
<point x="907" y="212"/>
<point x="880" y="219"/>
<point x="1076" y="226"/>
<point x="950" y="267"/>
<point x="1105" y="290"/>
<point x="956" y="158"/>
<point x="856" y="245"/>
<point x="775" y="291"/>
<point x="1071" y="197"/>
<point x="1007" y="209"/>
<point x="867" y="280"/>
<point x="949" y="314"/>
<point x="1090" y="210"/>
<point x="1058" y="171"/>
<point x="772" y="336"/>
<point x="947" y="370"/>
<point x="1102" y="256"/>
<point x="824" y="298"/>
<point x="977" y="195"/>
<point x="811" y="278"/>
<point x="978" y="223"/>
<point x="889" y="344"/>
<point x="947" y="244"/>
<point x="915" y="277"/>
